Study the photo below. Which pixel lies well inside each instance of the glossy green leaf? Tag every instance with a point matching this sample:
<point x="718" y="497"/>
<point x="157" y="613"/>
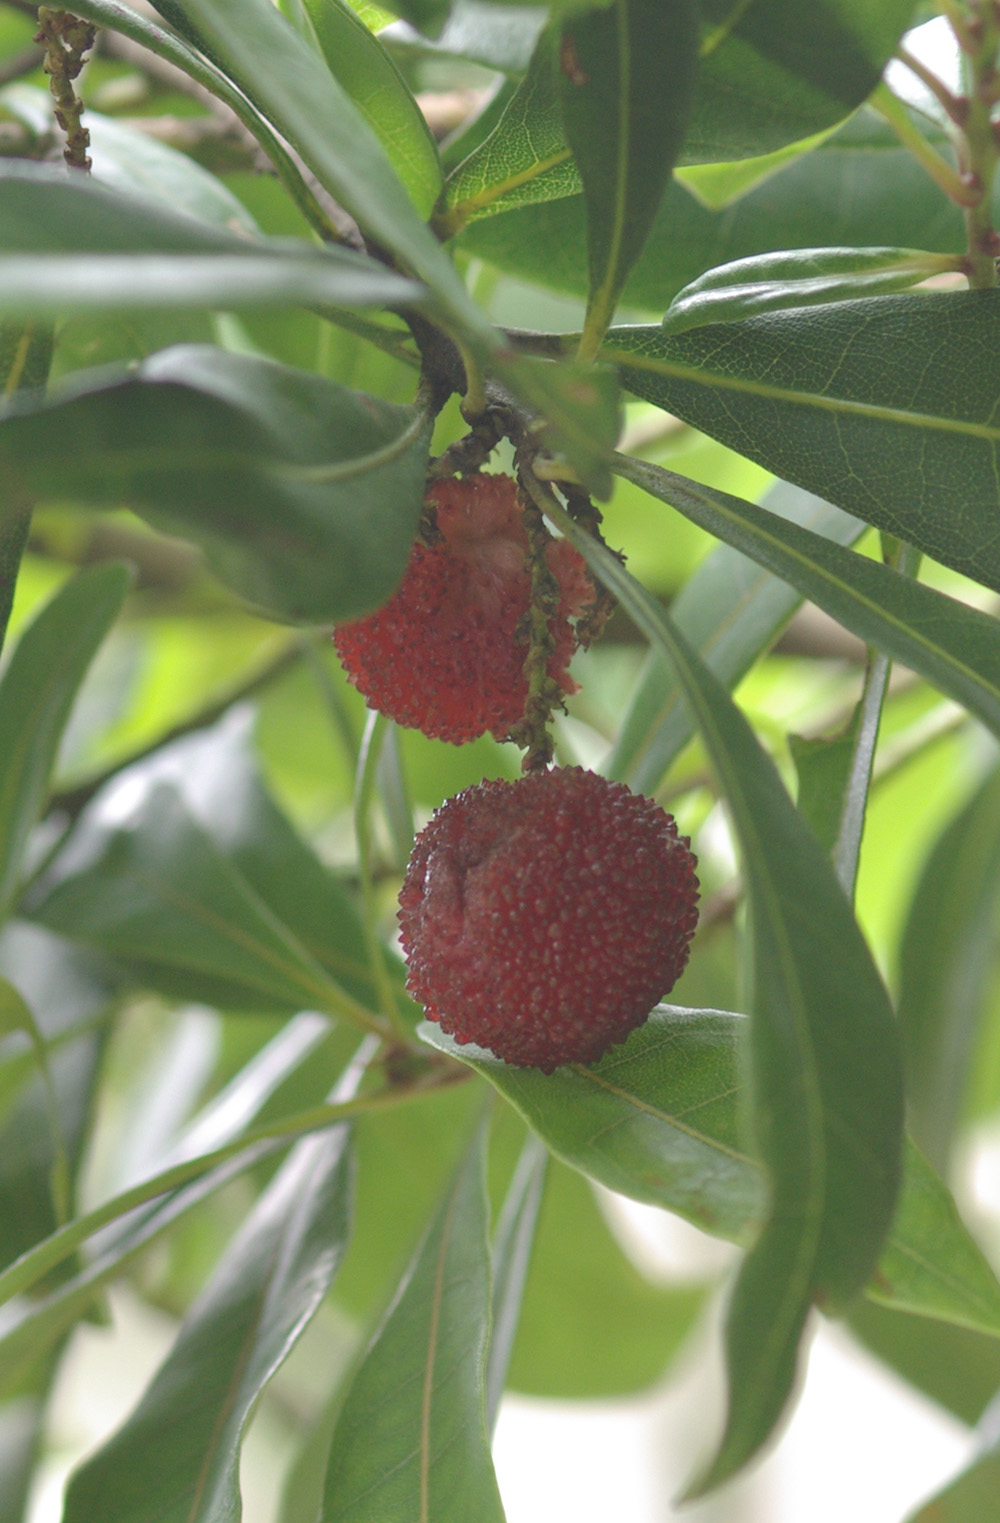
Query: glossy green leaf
<point x="658" y="1120"/>
<point x="955" y="647"/>
<point x="41" y="285"/>
<point x="216" y="774"/>
<point x="729" y="609"/>
<point x="947" y="958"/>
<point x="411" y="1440"/>
<point x="366" y="71"/>
<point x="626" y="78"/>
<point x="278" y="71"/>
<point x="177" y="1455"/>
<point x="152" y="889"/>
<point x="827" y="1101"/>
<point x="876" y="404"/>
<point x="823" y="767"/>
<point x="36" y="694"/>
<point x="329" y="482"/>
<point x="859" y="187"/>
<point x="525" y="159"/>
<point x="774" y="71"/>
<point x="801" y="278"/>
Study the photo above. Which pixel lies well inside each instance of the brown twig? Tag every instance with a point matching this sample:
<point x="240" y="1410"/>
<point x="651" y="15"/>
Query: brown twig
<point x="66" y="39"/>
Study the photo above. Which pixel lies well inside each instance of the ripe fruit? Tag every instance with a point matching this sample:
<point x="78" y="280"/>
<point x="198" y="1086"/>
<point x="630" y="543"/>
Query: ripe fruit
<point x="544" y="918"/>
<point x="446" y="655"/>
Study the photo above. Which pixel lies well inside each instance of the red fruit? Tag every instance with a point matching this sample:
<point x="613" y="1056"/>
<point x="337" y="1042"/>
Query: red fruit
<point x="544" y="918"/>
<point x="445" y="654"/>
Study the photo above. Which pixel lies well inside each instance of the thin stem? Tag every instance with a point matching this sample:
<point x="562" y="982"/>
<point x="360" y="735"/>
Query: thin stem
<point x="978" y="147"/>
<point x="954" y="106"/>
<point x="364" y="798"/>
<point x="955" y="185"/>
<point x="31" y="1266"/>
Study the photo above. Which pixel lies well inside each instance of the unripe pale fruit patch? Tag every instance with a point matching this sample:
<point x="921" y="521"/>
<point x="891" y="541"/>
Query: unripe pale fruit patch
<point x="543" y="919"/>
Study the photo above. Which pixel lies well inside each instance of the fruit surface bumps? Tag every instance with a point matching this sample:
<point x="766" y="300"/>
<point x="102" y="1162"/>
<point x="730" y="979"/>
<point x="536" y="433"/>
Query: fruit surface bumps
<point x="544" y="918"/>
<point x="446" y="654"/>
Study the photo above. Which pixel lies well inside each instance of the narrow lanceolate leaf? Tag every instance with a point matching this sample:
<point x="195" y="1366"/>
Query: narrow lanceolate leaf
<point x="512" y="1245"/>
<point x="46" y="284"/>
<point x="367" y="72"/>
<point x="284" y="78"/>
<point x="774" y="71"/>
<point x="177" y="1456"/>
<point x="626" y="81"/>
<point x="153" y="890"/>
<point x="25" y="357"/>
<point x="730" y="610"/>
<point x="955" y="647"/>
<point x="947" y="960"/>
<point x="411" y="1441"/>
<point x="303" y="495"/>
<point x="886" y="407"/>
<point x="827" y="1101"/>
<point x="525" y="159"/>
<point x="36" y="694"/>
<point x="658" y="1120"/>
<point x="798" y="278"/>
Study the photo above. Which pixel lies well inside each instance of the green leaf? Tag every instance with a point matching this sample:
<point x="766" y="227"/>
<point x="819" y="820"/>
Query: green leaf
<point x="827" y="1103"/>
<point x="513" y="1251"/>
<point x="69" y="995"/>
<point x="16" y="1018"/>
<point x="130" y="162"/>
<point x="44" y="1320"/>
<point x="955" y="647"/>
<point x="500" y="37"/>
<point x="329" y="482"/>
<point x="823" y="768"/>
<point x="730" y="610"/>
<point x="626" y="81"/>
<point x="278" y="71"/>
<point x="954" y="1366"/>
<point x="658" y="1120"/>
<point x="591" y="1324"/>
<point x="972" y="1496"/>
<point x="177" y="1455"/>
<point x="774" y="71"/>
<point x="580" y="406"/>
<point x="876" y="404"/>
<point x="50" y="220"/>
<point x="525" y="159"/>
<point x="857" y="188"/>
<point x="25" y="356"/>
<point x="36" y="694"/>
<point x="372" y="80"/>
<point x="947" y="958"/>
<point x="46" y="284"/>
<point x="411" y="1441"/>
<point x="152" y="889"/>
<point x="215" y="773"/>
<point x="802" y="278"/>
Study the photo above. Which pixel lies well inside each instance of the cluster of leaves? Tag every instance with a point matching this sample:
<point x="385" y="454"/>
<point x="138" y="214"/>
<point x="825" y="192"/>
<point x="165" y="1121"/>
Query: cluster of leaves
<point x="207" y="335"/>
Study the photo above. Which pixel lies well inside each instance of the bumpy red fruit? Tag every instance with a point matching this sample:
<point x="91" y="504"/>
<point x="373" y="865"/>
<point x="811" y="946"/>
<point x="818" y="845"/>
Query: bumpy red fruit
<point x="543" y="919"/>
<point x="445" y="655"/>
